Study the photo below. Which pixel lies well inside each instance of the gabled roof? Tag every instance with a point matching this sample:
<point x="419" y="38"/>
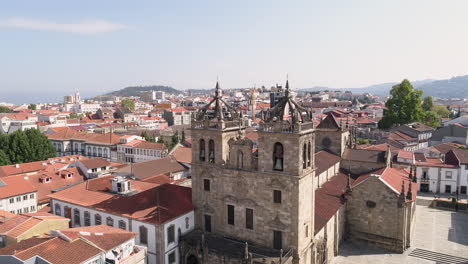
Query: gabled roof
<point x="19" y="224"/>
<point x="364" y="155"/>
<point x="13" y="186"/>
<point x="95" y="163"/>
<point x="182" y="154"/>
<point x="324" y="160"/>
<point x="329" y="122"/>
<point x="145" y="169"/>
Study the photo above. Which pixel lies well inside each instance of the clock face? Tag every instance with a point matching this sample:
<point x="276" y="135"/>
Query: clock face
<point x="326" y="142"/>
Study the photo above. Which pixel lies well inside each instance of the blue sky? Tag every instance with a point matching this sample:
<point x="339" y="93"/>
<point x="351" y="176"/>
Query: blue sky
<point x="50" y="48"/>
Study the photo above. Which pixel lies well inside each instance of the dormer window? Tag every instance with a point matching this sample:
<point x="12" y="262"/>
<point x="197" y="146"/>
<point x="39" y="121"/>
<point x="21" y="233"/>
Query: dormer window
<point x="278" y="157"/>
<point x="69" y="175"/>
<point x="47" y="179"/>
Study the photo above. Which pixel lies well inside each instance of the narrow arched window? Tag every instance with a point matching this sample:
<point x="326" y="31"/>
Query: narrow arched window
<point x="58" y="209"/>
<point x="76" y="217"/>
<point x="211" y="148"/>
<point x="97" y="219"/>
<point x="143" y="235"/>
<point x="202" y="150"/>
<point x="240" y="159"/>
<point x="122" y="225"/>
<point x="87" y="218"/>
<point x="309" y="155"/>
<point x="278" y="156"/>
<point x="304" y="156"/>
<point x="109" y="221"/>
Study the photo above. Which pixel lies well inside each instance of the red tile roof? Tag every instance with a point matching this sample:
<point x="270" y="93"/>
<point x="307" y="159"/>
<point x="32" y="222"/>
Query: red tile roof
<point x="152" y="203"/>
<point x="146" y="169"/>
<point x="14" y="185"/>
<point x="328" y="200"/>
<point x="324" y="160"/>
<point x="183" y="154"/>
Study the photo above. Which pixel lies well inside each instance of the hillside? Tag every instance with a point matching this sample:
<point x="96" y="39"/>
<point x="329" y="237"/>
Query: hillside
<point x="456" y="87"/>
<point x="137" y="90"/>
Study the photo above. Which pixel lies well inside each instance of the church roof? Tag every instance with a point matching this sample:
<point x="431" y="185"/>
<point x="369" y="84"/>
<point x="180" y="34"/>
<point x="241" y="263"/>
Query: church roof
<point x="329" y="122"/>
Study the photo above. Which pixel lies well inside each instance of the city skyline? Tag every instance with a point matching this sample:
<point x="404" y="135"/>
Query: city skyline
<point x="106" y="46"/>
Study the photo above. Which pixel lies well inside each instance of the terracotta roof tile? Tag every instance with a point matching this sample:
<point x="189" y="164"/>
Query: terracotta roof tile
<point x="324" y="160"/>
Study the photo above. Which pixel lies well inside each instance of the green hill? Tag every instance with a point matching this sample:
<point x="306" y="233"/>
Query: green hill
<point x="137" y="90"/>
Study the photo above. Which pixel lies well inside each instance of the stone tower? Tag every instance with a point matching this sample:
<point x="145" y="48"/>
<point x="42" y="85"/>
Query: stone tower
<point x="334" y="136"/>
<point x="262" y="197"/>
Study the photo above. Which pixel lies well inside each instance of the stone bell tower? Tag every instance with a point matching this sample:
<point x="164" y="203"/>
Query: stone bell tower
<point x="286" y="143"/>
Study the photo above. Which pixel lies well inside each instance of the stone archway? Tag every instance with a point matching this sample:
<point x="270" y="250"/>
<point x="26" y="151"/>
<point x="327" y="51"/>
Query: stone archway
<point x="192" y="260"/>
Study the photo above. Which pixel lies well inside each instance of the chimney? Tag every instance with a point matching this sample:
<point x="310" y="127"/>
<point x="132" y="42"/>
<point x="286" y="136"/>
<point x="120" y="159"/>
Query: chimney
<point x="17" y="166"/>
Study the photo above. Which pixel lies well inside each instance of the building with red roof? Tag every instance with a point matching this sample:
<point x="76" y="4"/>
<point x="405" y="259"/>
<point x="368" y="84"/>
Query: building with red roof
<point x="158" y="213"/>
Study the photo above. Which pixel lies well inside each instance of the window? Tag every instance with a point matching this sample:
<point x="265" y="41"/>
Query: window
<point x="448" y="174"/>
<point x="69" y="175"/>
<point x="97" y="219"/>
<point x="26" y="210"/>
<point x="307" y="231"/>
<point x="448" y="189"/>
<point x="47" y="179"/>
<point x="211" y="149"/>
<point x="58" y="210"/>
<point x="87" y="218"/>
<point x="122" y="225"/>
<point x="103" y="168"/>
<point x="143" y="235"/>
<point x="207" y="219"/>
<point x="304" y="156"/>
<point x="278" y="156"/>
<point x="33" y="208"/>
<point x="19" y="211"/>
<point x="18" y="199"/>
<point x="31" y="196"/>
<point x="206" y="185"/>
<point x="240" y="159"/>
<point x="12" y="200"/>
<point x="249" y="218"/>
<point x="424" y="175"/>
<point x="202" y="150"/>
<point x="109" y="221"/>
<point x="170" y="234"/>
<point x="172" y="257"/>
<point x="25" y="197"/>
<point x="230" y="214"/>
<point x="309" y="155"/>
<point x="187" y="222"/>
<point x="76" y="217"/>
<point x="466" y="166"/>
<point x="276" y="196"/>
<point x="277" y="239"/>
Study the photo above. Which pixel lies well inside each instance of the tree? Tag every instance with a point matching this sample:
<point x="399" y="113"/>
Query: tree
<point x="161" y="140"/>
<point x="182" y="139"/>
<point x="32" y="106"/>
<point x="4" y="109"/>
<point x="175" y="139"/>
<point x="441" y="111"/>
<point x="73" y="116"/>
<point x="403" y="106"/>
<point x="428" y="103"/>
<point x="41" y="148"/>
<point x="20" y="150"/>
<point x="432" y="119"/>
<point x="128" y="103"/>
<point x="4" y="160"/>
<point x="147" y="137"/>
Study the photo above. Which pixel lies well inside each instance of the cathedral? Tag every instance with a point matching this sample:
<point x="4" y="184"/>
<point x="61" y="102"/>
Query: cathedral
<point x="284" y="198"/>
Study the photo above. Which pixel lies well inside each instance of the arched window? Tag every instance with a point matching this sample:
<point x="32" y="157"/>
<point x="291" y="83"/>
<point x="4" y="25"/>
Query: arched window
<point x="76" y="217"/>
<point x="58" y="209"/>
<point x="67" y="212"/>
<point x="309" y="155"/>
<point x="143" y="235"/>
<point x="100" y="152"/>
<point x="109" y="221"/>
<point x="304" y="156"/>
<point x="122" y="225"/>
<point x="240" y="159"/>
<point x="211" y="148"/>
<point x="97" y="219"/>
<point x="87" y="218"/>
<point x="202" y="150"/>
<point x="278" y="156"/>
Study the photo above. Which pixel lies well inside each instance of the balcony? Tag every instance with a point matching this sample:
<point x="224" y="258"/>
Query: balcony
<point x="138" y="256"/>
<point x="424" y="180"/>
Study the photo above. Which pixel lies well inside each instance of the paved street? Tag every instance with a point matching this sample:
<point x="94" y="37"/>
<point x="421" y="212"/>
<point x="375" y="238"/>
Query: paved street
<point x="439" y="235"/>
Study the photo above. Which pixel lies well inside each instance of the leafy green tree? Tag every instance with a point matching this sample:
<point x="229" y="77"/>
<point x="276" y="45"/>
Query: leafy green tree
<point x="20" y="151"/>
<point x="428" y="103"/>
<point x="32" y="106"/>
<point x="128" y="103"/>
<point x="432" y="119"/>
<point x="362" y="141"/>
<point x="161" y="140"/>
<point x="175" y="139"/>
<point x="73" y="116"/>
<point x="4" y="160"/>
<point x="41" y="148"/>
<point x="4" y="109"/>
<point x="182" y="138"/>
<point x="403" y="106"/>
<point x="441" y="111"/>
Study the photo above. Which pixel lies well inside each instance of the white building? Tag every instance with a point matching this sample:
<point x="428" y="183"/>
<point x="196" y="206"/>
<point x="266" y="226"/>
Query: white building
<point x="141" y="150"/>
<point x="157" y="213"/>
<point x="17" y="195"/>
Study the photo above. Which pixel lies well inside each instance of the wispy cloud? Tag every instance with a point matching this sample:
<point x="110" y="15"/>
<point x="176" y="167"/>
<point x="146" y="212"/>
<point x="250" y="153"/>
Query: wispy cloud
<point x="83" y="27"/>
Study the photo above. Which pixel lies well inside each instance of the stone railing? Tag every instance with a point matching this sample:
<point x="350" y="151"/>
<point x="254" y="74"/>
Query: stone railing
<point x="213" y="124"/>
<point x="285" y="127"/>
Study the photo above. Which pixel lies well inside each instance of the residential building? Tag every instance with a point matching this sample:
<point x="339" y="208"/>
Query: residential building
<point x="17" y="195"/>
<point x="94" y="167"/>
<point x="140" y="150"/>
<point x="177" y="116"/>
<point x="17" y="227"/>
<point x="159" y="214"/>
<point x="146" y="170"/>
<point x="86" y="245"/>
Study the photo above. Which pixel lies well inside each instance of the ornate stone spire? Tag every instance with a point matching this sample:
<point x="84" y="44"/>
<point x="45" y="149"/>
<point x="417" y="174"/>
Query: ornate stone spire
<point x="409" y="195"/>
